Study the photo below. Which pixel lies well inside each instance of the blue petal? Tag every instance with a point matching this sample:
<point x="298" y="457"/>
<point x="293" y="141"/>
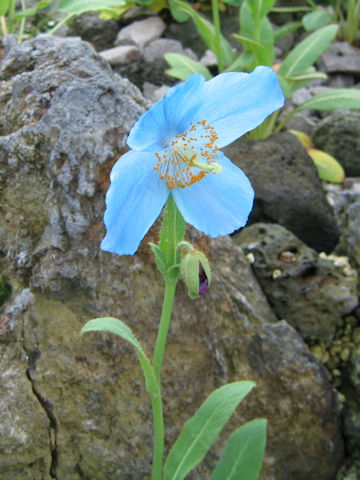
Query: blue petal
<point x="133" y="202"/>
<point x="218" y="204"/>
<point x="238" y="102"/>
<point x="170" y="116"/>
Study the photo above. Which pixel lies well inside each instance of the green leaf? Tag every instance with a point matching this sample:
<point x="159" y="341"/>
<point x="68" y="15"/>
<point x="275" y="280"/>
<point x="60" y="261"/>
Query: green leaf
<point x="199" y="433"/>
<point x="242" y="62"/>
<point x="317" y="19"/>
<point x="308" y="51"/>
<point x="207" y="32"/>
<point x="244" y="453"/>
<point x="115" y="12"/>
<point x="4" y="7"/>
<point x="286" y="29"/>
<point x="260" y="8"/>
<point x="302" y="79"/>
<point x="285" y="87"/>
<point x="113" y="325"/>
<point x="182" y="66"/>
<point x="116" y="326"/>
<point x="266" y="55"/>
<point x="29" y="12"/>
<point x="172" y="232"/>
<point x="76" y="7"/>
<point x="248" y="42"/>
<point x="307" y="76"/>
<point x="291" y="9"/>
<point x="257" y="35"/>
<point x="176" y="12"/>
<point x="160" y="258"/>
<point x="342" y="98"/>
<point x="329" y="169"/>
<point x="233" y="3"/>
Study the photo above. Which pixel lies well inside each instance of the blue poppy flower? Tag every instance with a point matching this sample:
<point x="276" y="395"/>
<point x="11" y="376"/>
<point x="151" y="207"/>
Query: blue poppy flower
<point x="175" y="150"/>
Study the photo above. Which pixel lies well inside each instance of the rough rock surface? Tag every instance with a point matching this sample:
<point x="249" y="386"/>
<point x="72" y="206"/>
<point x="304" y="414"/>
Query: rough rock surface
<point x="141" y="32"/>
<point x="339" y="135"/>
<point x="74" y="408"/>
<point x="287" y="189"/>
<point x="345" y="200"/>
<point x="121" y="55"/>
<point x="91" y="28"/>
<point x="311" y="291"/>
<point x="340" y="57"/>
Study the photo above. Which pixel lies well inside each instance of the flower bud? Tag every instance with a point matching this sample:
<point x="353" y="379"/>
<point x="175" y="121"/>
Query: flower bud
<point x="195" y="272"/>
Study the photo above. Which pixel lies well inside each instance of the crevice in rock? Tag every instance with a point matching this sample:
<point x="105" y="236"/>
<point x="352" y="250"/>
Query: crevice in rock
<point x="48" y="409"/>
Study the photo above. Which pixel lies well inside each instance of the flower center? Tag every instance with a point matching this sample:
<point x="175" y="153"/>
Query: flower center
<point x="188" y="157"/>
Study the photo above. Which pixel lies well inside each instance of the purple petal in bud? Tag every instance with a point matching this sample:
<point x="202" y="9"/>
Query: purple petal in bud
<point x="203" y="281"/>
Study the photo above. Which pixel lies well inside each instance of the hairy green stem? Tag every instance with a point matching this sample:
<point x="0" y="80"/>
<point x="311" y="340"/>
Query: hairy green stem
<point x="168" y="303"/>
<point x="158" y="450"/>
<point x="60" y="24"/>
<point x="156" y="401"/>
<point x="216" y="20"/>
<point x="172" y="232"/>
<point x="22" y="23"/>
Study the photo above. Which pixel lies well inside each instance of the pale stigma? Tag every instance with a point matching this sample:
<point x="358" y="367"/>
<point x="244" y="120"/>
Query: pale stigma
<point x="188" y="157"/>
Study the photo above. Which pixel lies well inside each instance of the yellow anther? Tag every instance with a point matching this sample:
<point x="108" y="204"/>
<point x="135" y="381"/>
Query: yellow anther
<point x="179" y="164"/>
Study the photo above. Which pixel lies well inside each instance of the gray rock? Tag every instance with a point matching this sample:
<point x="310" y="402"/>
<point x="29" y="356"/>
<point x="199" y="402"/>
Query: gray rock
<point x="312" y="292"/>
<point x="349" y="243"/>
<point x="91" y="28"/>
<point x="345" y="200"/>
<point x="141" y="32"/>
<point x="351" y="412"/>
<point x="160" y="46"/>
<point x="188" y="36"/>
<point x="75" y="407"/>
<point x="288" y="190"/>
<point x="209" y="59"/>
<point x="300" y="96"/>
<point x="341" y="81"/>
<point x="142" y="71"/>
<point x="340" y="57"/>
<point x="339" y="135"/>
<point x="121" y="55"/>
<point x="303" y="121"/>
<point x="154" y="93"/>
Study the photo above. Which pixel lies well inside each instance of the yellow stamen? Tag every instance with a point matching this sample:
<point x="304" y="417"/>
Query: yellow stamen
<point x="180" y="163"/>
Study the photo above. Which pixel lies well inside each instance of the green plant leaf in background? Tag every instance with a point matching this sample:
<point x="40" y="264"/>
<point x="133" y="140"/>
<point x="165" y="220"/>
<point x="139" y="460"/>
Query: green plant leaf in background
<point x="260" y="8"/>
<point x="305" y="54"/>
<point x="285" y="87"/>
<point x="256" y="34"/>
<point x="243" y="454"/>
<point x="199" y="433"/>
<point x="76" y="7"/>
<point x="117" y="327"/>
<point x="302" y="79"/>
<point x="241" y="63"/>
<point x="29" y="12"/>
<point x="207" y="32"/>
<point x="341" y="98"/>
<point x="286" y="29"/>
<point x="329" y="169"/>
<point x="4" y="6"/>
<point x="177" y="13"/>
<point x="317" y="19"/>
<point x="234" y="3"/>
<point x="182" y="66"/>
